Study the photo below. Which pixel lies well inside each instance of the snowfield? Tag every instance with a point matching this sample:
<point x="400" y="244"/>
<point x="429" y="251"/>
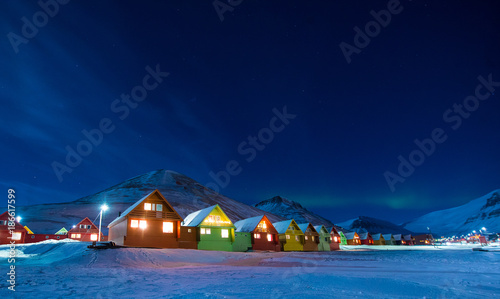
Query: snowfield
<point x="60" y="269"/>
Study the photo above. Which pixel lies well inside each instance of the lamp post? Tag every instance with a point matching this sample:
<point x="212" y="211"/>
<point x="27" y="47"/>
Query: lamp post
<point x="104" y="207"/>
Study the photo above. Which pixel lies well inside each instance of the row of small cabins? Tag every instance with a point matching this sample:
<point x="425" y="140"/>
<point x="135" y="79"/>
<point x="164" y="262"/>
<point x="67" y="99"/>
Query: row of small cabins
<point x="153" y="222"/>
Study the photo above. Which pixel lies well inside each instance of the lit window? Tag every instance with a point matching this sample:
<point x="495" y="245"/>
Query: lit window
<point x="307" y="238"/>
<point x="159" y="207"/>
<point x="147" y="206"/>
<point x="16" y="236"/>
<point x="209" y="231"/>
<point x="256" y="236"/>
<point x="134" y="223"/>
<point x="288" y="237"/>
<point x="225" y="233"/>
<point x="335" y="239"/>
<point x="269" y="237"/>
<point x="93" y="237"/>
<point x="202" y="231"/>
<point x="168" y="227"/>
<point x="189" y="230"/>
<point x="297" y="238"/>
<point x="312" y="238"/>
<point x="143" y="224"/>
<point x="264" y="225"/>
<point x="78" y="236"/>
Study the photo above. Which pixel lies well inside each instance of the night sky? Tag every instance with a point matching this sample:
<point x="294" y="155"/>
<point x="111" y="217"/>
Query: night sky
<point x="342" y="124"/>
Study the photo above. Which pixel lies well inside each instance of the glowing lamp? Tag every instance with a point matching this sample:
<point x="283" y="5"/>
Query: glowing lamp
<point x="18" y="218"/>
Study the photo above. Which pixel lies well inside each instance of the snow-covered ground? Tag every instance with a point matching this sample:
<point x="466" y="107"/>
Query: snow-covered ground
<point x="60" y="269"/>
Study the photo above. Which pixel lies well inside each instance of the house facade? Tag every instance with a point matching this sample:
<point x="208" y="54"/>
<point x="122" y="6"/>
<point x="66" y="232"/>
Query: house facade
<point x="311" y="237"/>
<point x="150" y="222"/>
<point x="85" y="231"/>
<point x="324" y="238"/>
<point x="366" y="238"/>
<point x="389" y="239"/>
<point x="336" y="239"/>
<point x="263" y="235"/>
<point x="11" y="230"/>
<point x="290" y="236"/>
<point x="378" y="239"/>
<point x="352" y="238"/>
<point x="215" y="231"/>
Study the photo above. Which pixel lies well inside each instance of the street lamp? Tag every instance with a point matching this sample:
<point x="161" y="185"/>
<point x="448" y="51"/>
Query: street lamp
<point x="18" y="218"/>
<point x="104" y="207"/>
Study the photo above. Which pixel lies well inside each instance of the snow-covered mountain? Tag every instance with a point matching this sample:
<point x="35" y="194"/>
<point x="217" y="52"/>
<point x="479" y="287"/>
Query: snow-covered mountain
<point x="289" y="209"/>
<point x="364" y="224"/>
<point x="474" y="215"/>
<point x="184" y="194"/>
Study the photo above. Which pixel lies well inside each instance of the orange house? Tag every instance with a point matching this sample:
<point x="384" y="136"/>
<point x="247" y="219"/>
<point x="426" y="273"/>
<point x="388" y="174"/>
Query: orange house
<point x="85" y="231"/>
<point x="16" y="234"/>
<point x="311" y="237"/>
<point x="150" y="222"/>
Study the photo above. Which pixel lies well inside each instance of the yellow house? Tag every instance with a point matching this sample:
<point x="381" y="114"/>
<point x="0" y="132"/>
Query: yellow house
<point x="290" y="236"/>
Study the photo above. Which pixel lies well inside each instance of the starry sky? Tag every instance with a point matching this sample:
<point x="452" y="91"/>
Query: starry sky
<point x="316" y="101"/>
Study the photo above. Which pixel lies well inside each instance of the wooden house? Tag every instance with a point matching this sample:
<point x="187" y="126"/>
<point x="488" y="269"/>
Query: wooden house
<point x="311" y="236"/>
<point x="149" y="222"/>
<point x="378" y="239"/>
<point x="352" y="238"/>
<point x="409" y="240"/>
<point x="11" y="230"/>
<point x="389" y="239"/>
<point x="398" y="239"/>
<point x="424" y="239"/>
<point x="325" y="239"/>
<point x="343" y="239"/>
<point x="85" y="231"/>
<point x="290" y="236"/>
<point x="335" y="238"/>
<point x="34" y="238"/>
<point x="214" y="229"/>
<point x="366" y="238"/>
<point x="263" y="235"/>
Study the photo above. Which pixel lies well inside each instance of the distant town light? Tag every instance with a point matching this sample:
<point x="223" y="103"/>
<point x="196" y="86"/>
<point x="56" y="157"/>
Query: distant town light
<point x="484" y="228"/>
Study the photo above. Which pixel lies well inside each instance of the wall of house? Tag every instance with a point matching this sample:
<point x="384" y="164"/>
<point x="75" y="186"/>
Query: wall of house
<point x="118" y="232"/>
<point x="189" y="237"/>
<point x="152" y="236"/>
<point x="242" y="241"/>
<point x="324" y="242"/>
<point x="214" y="240"/>
<point x="264" y="244"/>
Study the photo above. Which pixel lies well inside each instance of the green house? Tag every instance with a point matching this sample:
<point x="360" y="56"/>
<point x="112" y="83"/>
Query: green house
<point x="215" y="231"/>
<point x="290" y="236"/>
<point x="62" y="231"/>
<point x="324" y="238"/>
<point x="343" y="239"/>
<point x="242" y="241"/>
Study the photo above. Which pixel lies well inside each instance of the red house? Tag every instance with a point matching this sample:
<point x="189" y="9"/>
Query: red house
<point x="85" y="231"/>
<point x="264" y="235"/>
<point x="16" y="234"/>
<point x="335" y="236"/>
<point x="366" y="238"/>
<point x="33" y="238"/>
<point x="408" y="240"/>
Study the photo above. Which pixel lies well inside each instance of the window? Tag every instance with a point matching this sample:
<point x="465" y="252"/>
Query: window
<point x="134" y="223"/>
<point x="269" y="237"/>
<point x="225" y="233"/>
<point x="202" y="231"/>
<point x="292" y="228"/>
<point x="143" y="224"/>
<point x="288" y="237"/>
<point x="312" y="238"/>
<point x="32" y="236"/>
<point x="189" y="230"/>
<point x="209" y="231"/>
<point x="335" y="239"/>
<point x="297" y="238"/>
<point x="89" y="226"/>
<point x="16" y="236"/>
<point x="75" y="236"/>
<point x="147" y="206"/>
<point x="168" y="227"/>
<point x="256" y="236"/>
<point x="82" y="225"/>
<point x="307" y="238"/>
<point x="58" y="237"/>
<point x="46" y="237"/>
<point x="159" y="207"/>
<point x="93" y="237"/>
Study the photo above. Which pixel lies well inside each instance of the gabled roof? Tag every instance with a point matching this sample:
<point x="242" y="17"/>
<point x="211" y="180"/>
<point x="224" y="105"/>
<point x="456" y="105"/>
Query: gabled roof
<point x="62" y="231"/>
<point x="364" y="236"/>
<point x="282" y="226"/>
<point x="5" y="216"/>
<point x="319" y="229"/>
<point x="196" y="218"/>
<point x="377" y="237"/>
<point x="350" y="236"/>
<point x="407" y="237"/>
<point x="132" y="207"/>
<point x="28" y="230"/>
<point x="249" y="224"/>
<point x="86" y="220"/>
<point x="398" y="237"/>
<point x="387" y="236"/>
<point x="333" y="230"/>
<point x="303" y="227"/>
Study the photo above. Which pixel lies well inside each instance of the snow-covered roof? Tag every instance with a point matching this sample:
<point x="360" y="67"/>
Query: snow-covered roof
<point x="377" y="237"/>
<point x="303" y="227"/>
<point x="196" y="218"/>
<point x="398" y="237"/>
<point x="349" y="236"/>
<point x="407" y="237"/>
<point x="248" y="225"/>
<point x="387" y="236"/>
<point x="282" y="226"/>
<point x="364" y="236"/>
<point x="319" y="227"/>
